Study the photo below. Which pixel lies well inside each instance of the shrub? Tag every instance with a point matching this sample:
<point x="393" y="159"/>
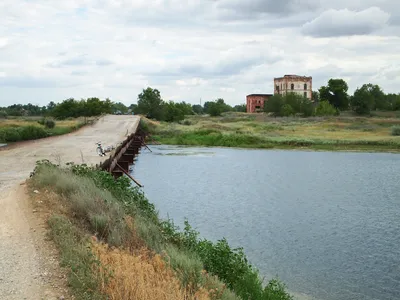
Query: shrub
<point x="3" y="114"/>
<point x="396" y="130"/>
<point x="32" y="132"/>
<point x="287" y="110"/>
<point x="324" y="108"/>
<point x="49" y="124"/>
<point x="9" y="134"/>
<point x="42" y="121"/>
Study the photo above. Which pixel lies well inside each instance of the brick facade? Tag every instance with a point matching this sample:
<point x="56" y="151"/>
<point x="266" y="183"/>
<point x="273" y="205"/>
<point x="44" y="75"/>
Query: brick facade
<point x="255" y="102"/>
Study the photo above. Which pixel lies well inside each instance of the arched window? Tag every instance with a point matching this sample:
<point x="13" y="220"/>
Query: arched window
<point x="305" y="86"/>
<point x="277" y="87"/>
<point x="292" y="86"/>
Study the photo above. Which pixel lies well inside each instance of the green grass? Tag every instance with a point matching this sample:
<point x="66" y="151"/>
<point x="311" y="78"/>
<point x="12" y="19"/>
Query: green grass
<point x="96" y="204"/>
<point x="260" y="131"/>
<point x="23" y="129"/>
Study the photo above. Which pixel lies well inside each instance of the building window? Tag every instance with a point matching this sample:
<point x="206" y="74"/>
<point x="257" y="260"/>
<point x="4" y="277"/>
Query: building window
<point x="277" y="88"/>
<point x="305" y="86"/>
<point x="305" y="94"/>
<point x="292" y="86"/>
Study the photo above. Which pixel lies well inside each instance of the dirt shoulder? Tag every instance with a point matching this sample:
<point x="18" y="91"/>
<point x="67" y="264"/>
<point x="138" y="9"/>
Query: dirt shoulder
<point x="28" y="264"/>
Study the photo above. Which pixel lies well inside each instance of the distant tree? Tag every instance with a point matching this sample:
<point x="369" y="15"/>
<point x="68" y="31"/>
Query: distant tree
<point x="336" y="93"/>
<point x="197" y="109"/>
<point x="394" y="101"/>
<point x="380" y="100"/>
<point x="186" y="108"/>
<point x="217" y="107"/>
<point x="151" y="104"/>
<point x="274" y="105"/>
<point x="240" y="108"/>
<point x="174" y="112"/>
<point x="134" y="108"/>
<point x="362" y="101"/>
<point x="315" y="96"/>
<point x="3" y="113"/>
<point x="119" y="106"/>
<point x="214" y="109"/>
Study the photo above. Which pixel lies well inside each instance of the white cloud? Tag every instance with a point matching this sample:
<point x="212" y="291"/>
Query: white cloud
<point x="50" y="51"/>
<point x="344" y="22"/>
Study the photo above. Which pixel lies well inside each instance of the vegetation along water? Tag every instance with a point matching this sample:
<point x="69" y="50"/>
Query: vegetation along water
<point x="133" y="253"/>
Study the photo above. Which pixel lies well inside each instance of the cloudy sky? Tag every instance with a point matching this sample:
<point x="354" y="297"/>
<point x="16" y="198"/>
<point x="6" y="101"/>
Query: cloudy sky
<point x="52" y="50"/>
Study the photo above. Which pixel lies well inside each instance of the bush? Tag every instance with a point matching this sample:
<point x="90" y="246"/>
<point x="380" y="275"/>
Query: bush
<point x="396" y="130"/>
<point x="3" y="114"/>
<point x="49" y="124"/>
<point x="32" y="132"/>
<point x="287" y="110"/>
<point x="324" y="108"/>
<point x="16" y="134"/>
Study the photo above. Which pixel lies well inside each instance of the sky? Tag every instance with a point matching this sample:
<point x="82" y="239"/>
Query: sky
<point x="194" y="50"/>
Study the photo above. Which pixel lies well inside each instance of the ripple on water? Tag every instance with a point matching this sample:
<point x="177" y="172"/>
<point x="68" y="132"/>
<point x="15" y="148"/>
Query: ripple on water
<point x="326" y="223"/>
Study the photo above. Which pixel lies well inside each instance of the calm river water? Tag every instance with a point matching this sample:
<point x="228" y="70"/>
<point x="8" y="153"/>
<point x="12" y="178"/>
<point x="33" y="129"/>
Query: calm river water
<point x="326" y="223"/>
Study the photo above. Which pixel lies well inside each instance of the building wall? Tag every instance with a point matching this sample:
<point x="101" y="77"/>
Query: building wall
<point x="302" y="85"/>
<point x="255" y="102"/>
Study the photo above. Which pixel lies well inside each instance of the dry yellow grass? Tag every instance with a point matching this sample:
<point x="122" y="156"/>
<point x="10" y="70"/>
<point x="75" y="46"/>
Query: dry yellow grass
<point x="141" y="277"/>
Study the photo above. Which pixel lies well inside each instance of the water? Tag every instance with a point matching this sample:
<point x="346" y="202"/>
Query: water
<point x="328" y="224"/>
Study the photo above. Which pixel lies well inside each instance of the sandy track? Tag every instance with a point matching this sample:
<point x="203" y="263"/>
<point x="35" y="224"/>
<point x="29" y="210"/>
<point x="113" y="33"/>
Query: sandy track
<point x="21" y="264"/>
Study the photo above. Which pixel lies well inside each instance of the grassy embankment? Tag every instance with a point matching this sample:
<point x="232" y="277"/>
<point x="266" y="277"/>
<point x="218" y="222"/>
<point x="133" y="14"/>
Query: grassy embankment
<point x="29" y="128"/>
<point x="378" y="133"/>
<point x="115" y="246"/>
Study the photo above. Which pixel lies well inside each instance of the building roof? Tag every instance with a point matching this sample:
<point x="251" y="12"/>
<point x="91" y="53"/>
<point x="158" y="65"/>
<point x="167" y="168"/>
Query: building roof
<point x="261" y="95"/>
<point x="293" y="76"/>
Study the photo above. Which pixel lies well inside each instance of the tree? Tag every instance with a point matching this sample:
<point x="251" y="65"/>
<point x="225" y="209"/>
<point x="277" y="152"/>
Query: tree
<point x="186" y="108"/>
<point x="198" y="109"/>
<point x="274" y="105"/>
<point x="393" y="101"/>
<point x="315" y="96"/>
<point x="119" y="106"/>
<point x="240" y="108"/>
<point x="214" y="109"/>
<point x="380" y="101"/>
<point x="174" y="112"/>
<point x="151" y="104"/>
<point x="362" y="101"/>
<point x="217" y="107"/>
<point x="336" y="93"/>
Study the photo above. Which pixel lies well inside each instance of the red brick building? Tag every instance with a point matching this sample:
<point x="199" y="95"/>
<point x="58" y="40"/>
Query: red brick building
<point x="255" y="102"/>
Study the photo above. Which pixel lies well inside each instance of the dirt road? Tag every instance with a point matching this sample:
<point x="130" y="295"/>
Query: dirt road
<point x="22" y="265"/>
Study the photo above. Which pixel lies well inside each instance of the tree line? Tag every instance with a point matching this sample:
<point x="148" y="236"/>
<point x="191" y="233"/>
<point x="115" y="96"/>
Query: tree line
<point x="150" y="104"/>
<point x="69" y="108"/>
<point x="333" y="98"/>
<point x="330" y="99"/>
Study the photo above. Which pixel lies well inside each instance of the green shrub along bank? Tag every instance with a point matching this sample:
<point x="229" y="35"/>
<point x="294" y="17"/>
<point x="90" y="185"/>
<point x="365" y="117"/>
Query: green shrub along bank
<point x="102" y="204"/>
<point x="216" y="138"/>
<point x="396" y="130"/>
<point x="11" y="134"/>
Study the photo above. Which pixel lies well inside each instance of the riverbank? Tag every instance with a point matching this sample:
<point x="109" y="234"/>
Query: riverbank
<point x="113" y="244"/>
<point x="341" y="133"/>
<point x="31" y="128"/>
